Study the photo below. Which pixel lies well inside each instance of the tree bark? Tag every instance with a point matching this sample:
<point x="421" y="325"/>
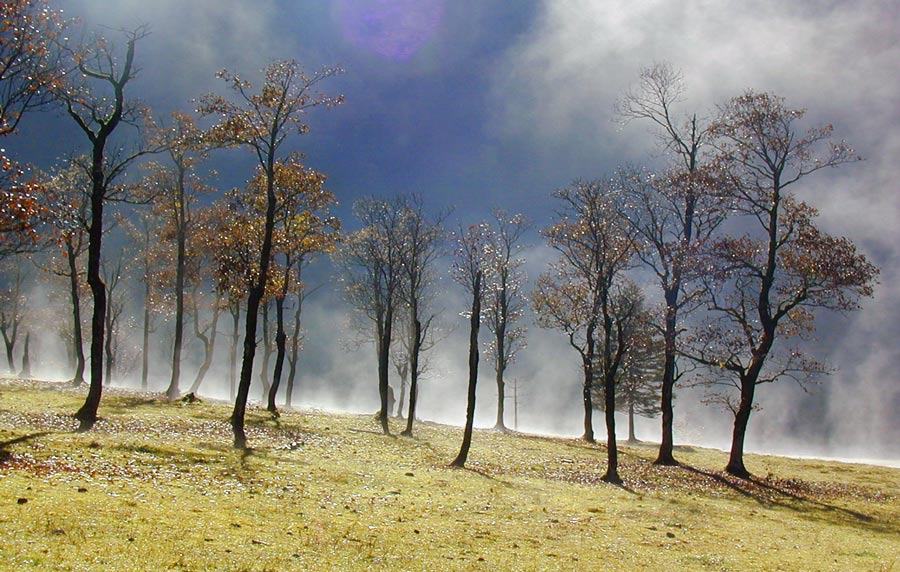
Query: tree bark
<point x="632" y="438"/>
<point x="474" y="325"/>
<point x="741" y="419"/>
<point x="173" y="392"/>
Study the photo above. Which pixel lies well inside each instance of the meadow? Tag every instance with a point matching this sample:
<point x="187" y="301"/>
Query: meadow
<point x="157" y="486"/>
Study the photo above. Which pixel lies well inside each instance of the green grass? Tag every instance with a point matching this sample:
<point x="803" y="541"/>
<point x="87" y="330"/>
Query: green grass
<point x="157" y="486"/>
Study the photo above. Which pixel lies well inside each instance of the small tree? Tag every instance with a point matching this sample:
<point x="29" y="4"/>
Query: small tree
<point x="505" y="301"/>
<point x="638" y="382"/>
<point x="768" y="284"/>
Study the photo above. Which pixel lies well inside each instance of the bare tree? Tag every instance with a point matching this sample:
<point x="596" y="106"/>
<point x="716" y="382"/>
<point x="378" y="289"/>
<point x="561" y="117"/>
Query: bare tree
<point x="505" y="300"/>
<point x="262" y="121"/>
<point x="421" y="246"/>
<point x="473" y="250"/>
<point x="676" y="215"/>
<point x="371" y="260"/>
<point x="769" y="282"/>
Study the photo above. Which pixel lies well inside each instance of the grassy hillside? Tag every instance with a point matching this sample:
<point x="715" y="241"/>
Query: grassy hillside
<point x="157" y="487"/>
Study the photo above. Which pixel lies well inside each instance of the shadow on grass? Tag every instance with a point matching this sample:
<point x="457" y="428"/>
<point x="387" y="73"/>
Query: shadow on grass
<point x="5" y="455"/>
<point x="770" y="493"/>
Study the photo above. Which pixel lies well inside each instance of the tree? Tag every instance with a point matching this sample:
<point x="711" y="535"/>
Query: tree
<point x="69" y="188"/>
<point x="638" y="382"/>
<point x="595" y="245"/>
<point x="30" y="74"/>
<point x="262" y="121"/>
<point x="175" y="189"/>
<point x="769" y="283"/>
<point x="303" y="229"/>
<point x="676" y="215"/>
<point x="473" y="251"/>
<point x="98" y="114"/>
<point x="420" y="247"/>
<point x="371" y="262"/>
<point x="13" y="309"/>
<point x="30" y="67"/>
<point x="505" y="300"/>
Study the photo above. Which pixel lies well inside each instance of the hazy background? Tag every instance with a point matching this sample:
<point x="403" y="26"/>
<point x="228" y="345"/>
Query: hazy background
<point x="477" y="105"/>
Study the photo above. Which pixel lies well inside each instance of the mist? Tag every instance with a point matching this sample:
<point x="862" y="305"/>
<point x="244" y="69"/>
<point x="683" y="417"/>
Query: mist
<point x="496" y="106"/>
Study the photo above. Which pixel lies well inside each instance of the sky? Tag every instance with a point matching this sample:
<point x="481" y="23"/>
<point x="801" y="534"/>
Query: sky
<point x="489" y="103"/>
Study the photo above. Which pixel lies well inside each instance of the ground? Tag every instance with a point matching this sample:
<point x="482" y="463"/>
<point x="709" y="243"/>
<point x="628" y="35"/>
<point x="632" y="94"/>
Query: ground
<point x="157" y="486"/>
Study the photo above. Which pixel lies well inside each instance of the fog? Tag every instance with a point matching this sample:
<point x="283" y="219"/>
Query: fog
<point x="476" y="105"/>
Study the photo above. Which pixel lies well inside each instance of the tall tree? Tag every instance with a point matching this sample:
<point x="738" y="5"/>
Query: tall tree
<point x="371" y="260"/>
<point x="505" y="300"/>
<point x="470" y="267"/>
<point x="770" y="281"/>
<point x="262" y="121"/>
<point x="95" y="100"/>
<point x="176" y="188"/>
<point x="676" y="215"/>
<point x="420" y="248"/>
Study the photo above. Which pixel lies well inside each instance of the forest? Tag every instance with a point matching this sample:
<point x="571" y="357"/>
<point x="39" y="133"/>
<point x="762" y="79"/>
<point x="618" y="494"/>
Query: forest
<point x="733" y="267"/>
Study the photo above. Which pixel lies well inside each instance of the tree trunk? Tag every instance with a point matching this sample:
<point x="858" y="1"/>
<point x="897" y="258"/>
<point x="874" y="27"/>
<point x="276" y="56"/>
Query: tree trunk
<point x="587" y="389"/>
<point x="474" y="325"/>
<point x="295" y="348"/>
<point x="500" y="369"/>
<point x="232" y="364"/>
<point x="280" y="343"/>
<point x="666" y="456"/>
<point x="632" y="438"/>
<point x="87" y="414"/>
<point x="180" y="220"/>
<point x="26" y="358"/>
<point x="612" y="453"/>
<point x="253" y="301"/>
<point x="10" y="344"/>
<point x="77" y="338"/>
<point x="741" y="419"/>
<point x="414" y="375"/>
<point x="384" y="358"/>
<point x="145" y="351"/>
<point x="267" y="352"/>
<point x="209" y="345"/>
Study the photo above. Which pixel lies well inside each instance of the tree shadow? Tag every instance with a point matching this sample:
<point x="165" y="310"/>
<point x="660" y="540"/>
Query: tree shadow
<point x="6" y="456"/>
<point x="768" y="493"/>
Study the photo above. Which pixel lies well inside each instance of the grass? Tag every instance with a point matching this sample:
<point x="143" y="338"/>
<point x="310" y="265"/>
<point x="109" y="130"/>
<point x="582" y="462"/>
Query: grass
<point x="157" y="486"/>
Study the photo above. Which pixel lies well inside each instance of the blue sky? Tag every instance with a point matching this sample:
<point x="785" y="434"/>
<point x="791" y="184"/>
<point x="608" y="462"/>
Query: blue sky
<point x="480" y="104"/>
